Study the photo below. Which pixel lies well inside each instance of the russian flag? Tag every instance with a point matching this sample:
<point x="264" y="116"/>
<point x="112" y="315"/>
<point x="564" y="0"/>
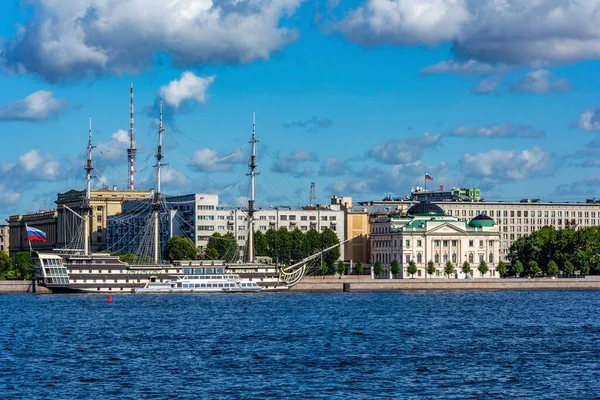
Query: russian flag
<point x="35" y="234"/>
<point x="428" y="177"/>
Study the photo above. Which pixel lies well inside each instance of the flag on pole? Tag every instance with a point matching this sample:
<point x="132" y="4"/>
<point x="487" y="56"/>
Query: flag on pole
<point x="428" y="177"/>
<point x="35" y="234"/>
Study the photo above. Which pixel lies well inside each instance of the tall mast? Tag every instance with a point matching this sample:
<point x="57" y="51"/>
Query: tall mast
<point x="88" y="189"/>
<point x="252" y="174"/>
<point x="131" y="151"/>
<point x="156" y="200"/>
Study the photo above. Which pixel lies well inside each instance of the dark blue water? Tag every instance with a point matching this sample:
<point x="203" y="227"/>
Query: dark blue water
<point x="488" y="345"/>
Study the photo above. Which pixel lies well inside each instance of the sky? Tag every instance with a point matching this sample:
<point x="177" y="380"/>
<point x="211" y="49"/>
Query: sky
<point x="361" y="97"/>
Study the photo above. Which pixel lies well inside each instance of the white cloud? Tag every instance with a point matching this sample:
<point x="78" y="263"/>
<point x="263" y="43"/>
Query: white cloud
<point x="174" y="180"/>
<point x="333" y="167"/>
<point x="8" y="197"/>
<point x="518" y="32"/>
<point x="486" y="86"/>
<point x="404" y="151"/>
<point x="291" y="163"/>
<point x="505" y="165"/>
<point x="38" y="106"/>
<point x="540" y="81"/>
<point x="115" y="148"/>
<point x="75" y="39"/>
<point x="32" y="167"/>
<point x="468" y="68"/>
<point x="188" y="87"/>
<point x="589" y="120"/>
<point x="498" y="131"/>
<point x="209" y="160"/>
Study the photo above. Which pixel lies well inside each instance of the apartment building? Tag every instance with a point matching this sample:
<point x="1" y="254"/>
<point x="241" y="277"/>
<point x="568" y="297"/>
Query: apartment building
<point x="4" y="238"/>
<point x="42" y="220"/>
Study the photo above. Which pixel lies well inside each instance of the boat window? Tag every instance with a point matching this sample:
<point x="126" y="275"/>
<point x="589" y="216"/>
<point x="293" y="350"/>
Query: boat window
<point x="203" y="285"/>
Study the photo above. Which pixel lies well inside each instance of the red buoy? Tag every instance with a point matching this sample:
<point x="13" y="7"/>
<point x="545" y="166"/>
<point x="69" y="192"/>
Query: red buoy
<point x="109" y="298"/>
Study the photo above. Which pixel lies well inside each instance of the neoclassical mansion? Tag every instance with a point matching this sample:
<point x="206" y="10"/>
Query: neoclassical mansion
<point x="426" y="233"/>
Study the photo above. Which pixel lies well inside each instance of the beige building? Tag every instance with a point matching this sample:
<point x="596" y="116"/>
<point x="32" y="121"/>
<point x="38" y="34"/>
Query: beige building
<point x="514" y="219"/>
<point x="42" y="220"/>
<point x="425" y="233"/>
<point x="4" y="235"/>
<point x="103" y="203"/>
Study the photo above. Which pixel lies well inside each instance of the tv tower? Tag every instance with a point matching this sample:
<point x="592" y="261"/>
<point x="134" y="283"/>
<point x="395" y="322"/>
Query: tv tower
<point x="131" y="151"/>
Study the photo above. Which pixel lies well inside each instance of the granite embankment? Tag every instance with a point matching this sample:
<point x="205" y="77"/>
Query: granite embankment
<point x="20" y="287"/>
<point x="366" y="284"/>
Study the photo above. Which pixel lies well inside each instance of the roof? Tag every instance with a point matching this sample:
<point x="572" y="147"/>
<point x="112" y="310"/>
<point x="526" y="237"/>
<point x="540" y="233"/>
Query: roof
<point x="481" y="221"/>
<point x="426" y="209"/>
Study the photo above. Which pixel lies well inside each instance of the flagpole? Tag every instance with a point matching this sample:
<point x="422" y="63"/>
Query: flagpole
<point x="425" y="181"/>
<point x="28" y="241"/>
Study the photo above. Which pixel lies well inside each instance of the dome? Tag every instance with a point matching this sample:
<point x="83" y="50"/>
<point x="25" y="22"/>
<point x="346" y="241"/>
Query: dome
<point x="481" y="221"/>
<point x="426" y="209"/>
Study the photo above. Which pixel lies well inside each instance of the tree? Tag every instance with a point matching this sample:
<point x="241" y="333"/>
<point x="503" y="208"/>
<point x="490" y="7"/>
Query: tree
<point x="211" y="254"/>
<point x="448" y="269"/>
<point x="518" y="267"/>
<point x="285" y="245"/>
<point x="358" y="267"/>
<point x="260" y="244"/>
<point x="584" y="269"/>
<point x="180" y="248"/>
<point x="225" y="246"/>
<point x="377" y="268"/>
<point x="534" y="268"/>
<point x="430" y="268"/>
<point x="412" y="268"/>
<point x="552" y="268"/>
<point x="483" y="268"/>
<point x="23" y="265"/>
<point x="328" y="239"/>
<point x="466" y="268"/>
<point x="568" y="268"/>
<point x="341" y="268"/>
<point x="312" y="242"/>
<point x="501" y="268"/>
<point x="324" y="268"/>
<point x="395" y="266"/>
<point x="5" y="265"/>
<point x="297" y="245"/>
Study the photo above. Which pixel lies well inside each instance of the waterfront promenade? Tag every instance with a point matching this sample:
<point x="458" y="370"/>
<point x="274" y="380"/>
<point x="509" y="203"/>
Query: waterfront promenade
<point x="20" y="287"/>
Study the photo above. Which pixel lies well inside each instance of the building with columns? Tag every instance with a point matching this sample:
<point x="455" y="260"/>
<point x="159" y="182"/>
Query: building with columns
<point x="4" y="235"/>
<point x="42" y="220"/>
<point x="425" y="233"/>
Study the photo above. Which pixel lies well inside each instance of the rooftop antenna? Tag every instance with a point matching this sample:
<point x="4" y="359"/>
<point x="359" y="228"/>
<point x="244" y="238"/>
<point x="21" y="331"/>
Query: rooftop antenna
<point x="156" y="199"/>
<point x="131" y="151"/>
<point x="313" y="195"/>
<point x="88" y="189"/>
<point x="252" y="175"/>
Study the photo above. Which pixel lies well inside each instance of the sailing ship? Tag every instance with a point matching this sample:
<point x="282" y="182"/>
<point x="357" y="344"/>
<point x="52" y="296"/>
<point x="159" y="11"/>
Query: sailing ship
<point x="79" y="270"/>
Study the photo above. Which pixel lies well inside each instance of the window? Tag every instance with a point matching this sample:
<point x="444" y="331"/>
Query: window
<point x="332" y="218"/>
<point x="418" y="243"/>
<point x="419" y="258"/>
<point x="470" y="258"/>
<point x="470" y="243"/>
<point x="436" y="258"/>
<point x="481" y="243"/>
<point x="303" y="218"/>
<point x="312" y="218"/>
<point x="436" y="243"/>
<point x="481" y="258"/>
<point x="99" y="218"/>
<point x="491" y="258"/>
<point x="445" y="257"/>
<point x="407" y="243"/>
<point x="283" y="217"/>
<point x="323" y="217"/>
<point x="453" y="258"/>
<point x="454" y="243"/>
<point x="407" y="258"/>
<point x="445" y="243"/>
<point x="292" y="217"/>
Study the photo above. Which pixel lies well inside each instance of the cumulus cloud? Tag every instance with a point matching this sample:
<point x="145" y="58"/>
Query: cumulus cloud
<point x="311" y="124"/>
<point x="38" y="106"/>
<point x="174" y="180"/>
<point x="514" y="32"/>
<point x="187" y="87"/>
<point x="115" y="148"/>
<point x="291" y="163"/>
<point x="505" y="165"/>
<point x="585" y="187"/>
<point x="8" y="197"/>
<point x="467" y="68"/>
<point x="65" y="40"/>
<point x="486" y="86"/>
<point x="404" y="151"/>
<point x="32" y="167"/>
<point x="212" y="161"/>
<point x="589" y="120"/>
<point x="540" y="81"/>
<point x="498" y="131"/>
<point x="333" y="167"/>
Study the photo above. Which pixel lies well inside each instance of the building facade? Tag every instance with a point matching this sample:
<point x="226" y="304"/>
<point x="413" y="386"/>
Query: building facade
<point x="425" y="233"/>
<point x="4" y="238"/>
<point x="43" y="220"/>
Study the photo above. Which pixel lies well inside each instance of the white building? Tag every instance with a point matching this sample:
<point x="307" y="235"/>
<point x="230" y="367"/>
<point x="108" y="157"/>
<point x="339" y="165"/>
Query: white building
<point x="426" y="234"/>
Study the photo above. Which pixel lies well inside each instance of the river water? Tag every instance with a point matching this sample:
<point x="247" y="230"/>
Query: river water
<point x="401" y="345"/>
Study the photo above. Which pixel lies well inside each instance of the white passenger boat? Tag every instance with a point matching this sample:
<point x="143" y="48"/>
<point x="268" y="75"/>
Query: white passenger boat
<point x="201" y="284"/>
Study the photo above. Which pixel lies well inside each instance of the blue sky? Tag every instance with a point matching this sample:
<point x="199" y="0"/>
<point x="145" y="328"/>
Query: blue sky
<point x="362" y="97"/>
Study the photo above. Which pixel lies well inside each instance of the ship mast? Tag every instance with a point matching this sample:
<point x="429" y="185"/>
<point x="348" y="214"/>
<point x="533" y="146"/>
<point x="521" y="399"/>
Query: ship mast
<point x="131" y="151"/>
<point x="252" y="175"/>
<point x="156" y="200"/>
<point x="88" y="189"/>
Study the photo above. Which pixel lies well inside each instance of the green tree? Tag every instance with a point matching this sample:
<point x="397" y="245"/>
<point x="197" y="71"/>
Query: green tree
<point x="466" y="268"/>
<point x="358" y="267"/>
<point x="211" y="254"/>
<point x="23" y="265"/>
<point x="297" y="245"/>
<point x="518" y="267"/>
<point x="568" y="268"/>
<point x="260" y="244"/>
<point x="180" y="248"/>
<point x="272" y="239"/>
<point x="341" y="268"/>
<point x="448" y="269"/>
<point x="534" y="267"/>
<point x="430" y="268"/>
<point x="395" y="266"/>
<point x="584" y="269"/>
<point x="225" y="245"/>
<point x="483" y="268"/>
<point x="5" y="265"/>
<point x="412" y="268"/>
<point x="377" y="268"/>
<point x="285" y="245"/>
<point x="328" y="239"/>
<point x="324" y="268"/>
<point x="312" y="242"/>
<point x="552" y="268"/>
<point x="501" y="268"/>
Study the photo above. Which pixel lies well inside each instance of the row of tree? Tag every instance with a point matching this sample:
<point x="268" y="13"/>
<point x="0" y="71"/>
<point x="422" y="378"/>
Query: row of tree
<point x="549" y="251"/>
<point x="431" y="269"/>
<point x="19" y="266"/>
